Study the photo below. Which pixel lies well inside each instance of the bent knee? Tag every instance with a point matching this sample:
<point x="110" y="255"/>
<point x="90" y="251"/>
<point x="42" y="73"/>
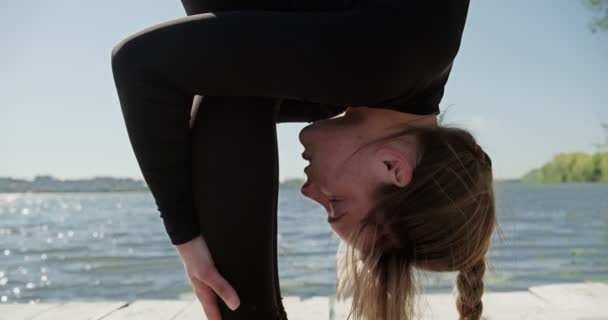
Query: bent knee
<point x="123" y="54"/>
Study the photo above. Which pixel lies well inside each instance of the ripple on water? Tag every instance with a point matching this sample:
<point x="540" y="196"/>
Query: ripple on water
<point x="550" y="235"/>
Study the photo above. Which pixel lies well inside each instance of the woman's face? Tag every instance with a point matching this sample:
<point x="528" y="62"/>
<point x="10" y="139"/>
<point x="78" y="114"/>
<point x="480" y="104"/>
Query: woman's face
<point x="343" y="171"/>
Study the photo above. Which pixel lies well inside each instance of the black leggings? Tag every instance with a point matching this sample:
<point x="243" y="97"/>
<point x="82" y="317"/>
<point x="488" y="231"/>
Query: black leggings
<point x="233" y="143"/>
<point x="220" y="178"/>
<point x="236" y="189"/>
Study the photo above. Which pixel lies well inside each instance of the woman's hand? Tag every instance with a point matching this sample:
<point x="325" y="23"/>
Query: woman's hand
<point x="205" y="279"/>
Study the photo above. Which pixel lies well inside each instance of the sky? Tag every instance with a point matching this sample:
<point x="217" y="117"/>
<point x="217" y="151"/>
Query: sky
<point x="529" y="82"/>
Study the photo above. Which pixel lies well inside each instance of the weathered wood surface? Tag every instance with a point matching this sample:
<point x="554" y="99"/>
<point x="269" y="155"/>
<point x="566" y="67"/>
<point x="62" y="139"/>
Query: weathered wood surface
<point x="87" y="311"/>
<point x="582" y="301"/>
<point x="148" y="309"/>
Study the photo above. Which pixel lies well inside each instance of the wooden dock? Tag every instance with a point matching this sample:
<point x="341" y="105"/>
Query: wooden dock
<point x="583" y="301"/>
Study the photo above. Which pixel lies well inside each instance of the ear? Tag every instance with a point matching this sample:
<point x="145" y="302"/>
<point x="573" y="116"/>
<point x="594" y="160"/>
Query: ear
<point x="396" y="168"/>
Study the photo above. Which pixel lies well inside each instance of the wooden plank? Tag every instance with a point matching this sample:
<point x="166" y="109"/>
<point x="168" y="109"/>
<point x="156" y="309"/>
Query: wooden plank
<point x="428" y="307"/>
<point x="192" y="311"/>
<point x="148" y="309"/>
<point x="512" y="305"/>
<point x="573" y="294"/>
<point x="437" y="306"/>
<point x="338" y="310"/>
<point x="80" y="310"/>
<point x="582" y="301"/>
<point x="497" y="306"/>
<point x="298" y="308"/>
<point x="576" y="300"/>
<point x="23" y="311"/>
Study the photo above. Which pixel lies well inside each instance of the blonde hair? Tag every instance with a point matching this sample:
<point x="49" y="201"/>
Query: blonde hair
<point x="441" y="221"/>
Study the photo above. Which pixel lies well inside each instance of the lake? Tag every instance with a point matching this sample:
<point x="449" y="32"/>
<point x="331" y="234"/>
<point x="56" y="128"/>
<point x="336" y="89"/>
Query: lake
<point x="57" y="247"/>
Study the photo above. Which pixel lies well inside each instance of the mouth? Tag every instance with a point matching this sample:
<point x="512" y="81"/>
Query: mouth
<point x="305" y="156"/>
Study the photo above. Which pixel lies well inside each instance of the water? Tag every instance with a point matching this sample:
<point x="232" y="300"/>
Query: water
<point x="59" y="247"/>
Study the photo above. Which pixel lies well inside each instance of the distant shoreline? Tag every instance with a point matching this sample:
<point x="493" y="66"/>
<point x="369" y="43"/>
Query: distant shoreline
<point x="49" y="184"/>
<point x="574" y="167"/>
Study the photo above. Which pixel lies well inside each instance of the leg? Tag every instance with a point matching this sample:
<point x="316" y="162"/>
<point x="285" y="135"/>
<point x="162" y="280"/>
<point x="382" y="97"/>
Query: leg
<point x="268" y="53"/>
<point x="290" y="110"/>
<point x="260" y="295"/>
<point x="214" y="132"/>
<point x="235" y="176"/>
<point x="193" y="7"/>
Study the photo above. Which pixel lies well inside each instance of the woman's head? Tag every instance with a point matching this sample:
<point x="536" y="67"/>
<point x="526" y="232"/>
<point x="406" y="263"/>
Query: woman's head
<point x="431" y="207"/>
<point x="346" y="165"/>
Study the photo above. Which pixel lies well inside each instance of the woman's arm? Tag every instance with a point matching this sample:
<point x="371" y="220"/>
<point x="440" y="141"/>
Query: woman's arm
<point x="206" y="280"/>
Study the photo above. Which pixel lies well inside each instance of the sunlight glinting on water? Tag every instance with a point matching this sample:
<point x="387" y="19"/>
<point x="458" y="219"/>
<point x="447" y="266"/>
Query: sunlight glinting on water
<point x="96" y="246"/>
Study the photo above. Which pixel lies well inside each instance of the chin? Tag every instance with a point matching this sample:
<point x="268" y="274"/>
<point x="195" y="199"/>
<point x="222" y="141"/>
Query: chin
<point x="338" y="235"/>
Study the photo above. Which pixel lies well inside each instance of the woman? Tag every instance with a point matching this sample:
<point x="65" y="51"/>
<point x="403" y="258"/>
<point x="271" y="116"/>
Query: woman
<point x="429" y="205"/>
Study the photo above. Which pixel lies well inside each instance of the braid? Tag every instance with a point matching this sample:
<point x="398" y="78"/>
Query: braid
<point x="469" y="283"/>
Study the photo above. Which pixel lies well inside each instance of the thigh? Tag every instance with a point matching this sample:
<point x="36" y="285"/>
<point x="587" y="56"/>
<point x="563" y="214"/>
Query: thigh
<point x="289" y="110"/>
<point x="347" y="57"/>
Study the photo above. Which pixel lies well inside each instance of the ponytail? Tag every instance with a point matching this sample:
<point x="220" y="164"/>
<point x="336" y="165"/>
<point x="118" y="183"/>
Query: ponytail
<point x="469" y="283"/>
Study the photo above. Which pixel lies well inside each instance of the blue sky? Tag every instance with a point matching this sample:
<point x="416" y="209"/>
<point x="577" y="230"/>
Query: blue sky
<point x="529" y="81"/>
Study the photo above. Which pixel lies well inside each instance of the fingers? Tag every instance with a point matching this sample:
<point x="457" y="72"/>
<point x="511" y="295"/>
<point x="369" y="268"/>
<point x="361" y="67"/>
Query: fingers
<point x="223" y="289"/>
<point x="208" y="301"/>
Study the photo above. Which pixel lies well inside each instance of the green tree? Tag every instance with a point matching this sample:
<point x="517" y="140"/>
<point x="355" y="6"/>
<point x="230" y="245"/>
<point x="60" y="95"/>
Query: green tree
<point x="571" y="167"/>
<point x="600" y="21"/>
<point x="574" y="167"/>
<point x="600" y="160"/>
<point x="582" y="168"/>
<point x="604" y="145"/>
